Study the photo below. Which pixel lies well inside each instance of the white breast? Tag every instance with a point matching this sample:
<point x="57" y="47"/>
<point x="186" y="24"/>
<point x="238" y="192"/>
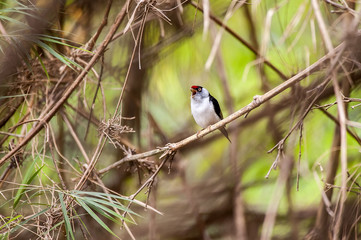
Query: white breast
<point x="203" y="112"/>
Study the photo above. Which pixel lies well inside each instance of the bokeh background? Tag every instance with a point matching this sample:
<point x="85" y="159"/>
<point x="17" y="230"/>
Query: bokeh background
<point x="135" y="98"/>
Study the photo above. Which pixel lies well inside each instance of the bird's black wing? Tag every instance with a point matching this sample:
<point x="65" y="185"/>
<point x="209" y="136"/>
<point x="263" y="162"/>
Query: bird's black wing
<point x="216" y="106"/>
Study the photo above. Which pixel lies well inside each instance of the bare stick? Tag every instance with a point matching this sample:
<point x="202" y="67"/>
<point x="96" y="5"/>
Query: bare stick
<point x="137" y="42"/>
<point x="169" y="154"/>
<point x="244" y="42"/>
<point x="335" y="120"/>
<point x="95" y="95"/>
<point x="75" y="136"/>
<point x="258" y="100"/>
<point x="55" y="106"/>
<point x="342" y="118"/>
<point x="104" y="22"/>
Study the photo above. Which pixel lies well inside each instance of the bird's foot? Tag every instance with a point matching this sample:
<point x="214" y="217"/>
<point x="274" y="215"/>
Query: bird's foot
<point x="169" y="149"/>
<point x="170" y="146"/>
<point x="197" y="134"/>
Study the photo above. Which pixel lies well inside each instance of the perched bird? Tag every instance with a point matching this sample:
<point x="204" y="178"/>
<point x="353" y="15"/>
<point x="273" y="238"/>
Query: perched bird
<point x="205" y="109"/>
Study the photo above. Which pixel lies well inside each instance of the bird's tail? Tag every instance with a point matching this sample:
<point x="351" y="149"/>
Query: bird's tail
<point x="225" y="133"/>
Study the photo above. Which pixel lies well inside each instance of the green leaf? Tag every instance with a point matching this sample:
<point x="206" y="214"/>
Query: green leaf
<point x="42" y="64"/>
<point x="29" y="177"/>
<point x="70" y="218"/>
<point x="80" y="220"/>
<point x="14" y="96"/>
<point x="4" y="236"/>
<point x="61" y="58"/>
<point x="58" y="40"/>
<point x="112" y="203"/>
<point x="31" y="196"/>
<point x="96" y="203"/>
<point x="95" y="217"/>
<point x="103" y="211"/>
<point x="24" y="10"/>
<point x="69" y="230"/>
<point x="29" y="219"/>
<point x="99" y="196"/>
<point x="12" y="20"/>
<point x="102" y="195"/>
<point x="10" y="221"/>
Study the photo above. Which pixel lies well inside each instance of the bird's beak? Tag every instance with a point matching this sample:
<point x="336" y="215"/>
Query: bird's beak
<point x="193" y="91"/>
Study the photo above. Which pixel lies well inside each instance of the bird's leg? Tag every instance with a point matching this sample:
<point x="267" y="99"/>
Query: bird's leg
<point x="208" y="128"/>
<point x="199" y="133"/>
<point x="170" y="146"/>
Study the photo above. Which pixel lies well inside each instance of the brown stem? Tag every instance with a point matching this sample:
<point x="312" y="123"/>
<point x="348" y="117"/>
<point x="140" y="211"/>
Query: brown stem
<point x="55" y="106"/>
<point x="259" y="100"/>
<point x="244" y="42"/>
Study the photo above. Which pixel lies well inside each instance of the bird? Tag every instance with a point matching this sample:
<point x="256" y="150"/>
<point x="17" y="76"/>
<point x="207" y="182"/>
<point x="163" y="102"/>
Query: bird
<point x="205" y="109"/>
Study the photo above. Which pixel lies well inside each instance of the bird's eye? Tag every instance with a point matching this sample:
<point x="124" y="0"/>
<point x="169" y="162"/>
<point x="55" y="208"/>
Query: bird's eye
<point x="199" y="89"/>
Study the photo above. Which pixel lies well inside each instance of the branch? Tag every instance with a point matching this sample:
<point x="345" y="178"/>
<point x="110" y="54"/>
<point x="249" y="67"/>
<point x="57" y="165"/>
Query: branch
<point x="258" y="100"/>
<point x="337" y="122"/>
<point x="55" y="106"/>
<point x="239" y="38"/>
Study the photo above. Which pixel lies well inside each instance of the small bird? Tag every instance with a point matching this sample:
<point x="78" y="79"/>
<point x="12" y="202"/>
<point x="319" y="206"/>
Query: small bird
<point x="205" y="109"/>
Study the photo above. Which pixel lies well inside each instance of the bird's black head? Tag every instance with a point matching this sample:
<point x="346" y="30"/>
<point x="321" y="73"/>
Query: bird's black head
<point x="195" y="89"/>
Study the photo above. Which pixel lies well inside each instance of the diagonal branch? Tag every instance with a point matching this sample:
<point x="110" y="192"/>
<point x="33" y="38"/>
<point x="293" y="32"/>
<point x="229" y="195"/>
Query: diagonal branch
<point x="55" y="106"/>
<point x="258" y="100"/>
<point x="244" y="42"/>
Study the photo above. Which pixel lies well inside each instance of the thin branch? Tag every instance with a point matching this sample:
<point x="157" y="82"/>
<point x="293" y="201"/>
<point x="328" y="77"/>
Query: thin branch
<point x="89" y="46"/>
<point x="75" y="136"/>
<point x="342" y="118"/>
<point x="335" y="120"/>
<point x="244" y="42"/>
<point x="55" y="106"/>
<point x="217" y="40"/>
<point x="169" y="154"/>
<point x="258" y="100"/>
<point x="137" y="41"/>
<point x="11" y="134"/>
<point x="270" y="217"/>
<point x="321" y="88"/>
<point x="95" y="95"/>
<point x="132" y="158"/>
<point x="91" y="164"/>
<point x="299" y="158"/>
<point x="51" y="147"/>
